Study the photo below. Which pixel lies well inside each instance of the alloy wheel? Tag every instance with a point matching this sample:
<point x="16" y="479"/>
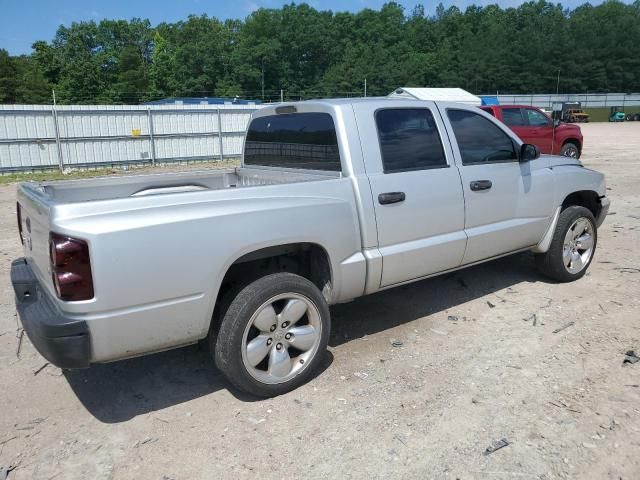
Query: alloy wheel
<point x="281" y="338"/>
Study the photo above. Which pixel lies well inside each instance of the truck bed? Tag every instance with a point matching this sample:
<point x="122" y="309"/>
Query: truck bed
<point x="107" y="188"/>
<point x="70" y="206"/>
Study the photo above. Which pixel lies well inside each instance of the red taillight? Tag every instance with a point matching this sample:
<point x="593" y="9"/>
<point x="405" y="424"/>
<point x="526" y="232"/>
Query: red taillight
<point x="70" y="268"/>
<point x="19" y="215"/>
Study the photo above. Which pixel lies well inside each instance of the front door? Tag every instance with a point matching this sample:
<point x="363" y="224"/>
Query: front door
<point x="508" y="204"/>
<point x="416" y="189"/>
<point x="541" y="129"/>
<point x="531" y="125"/>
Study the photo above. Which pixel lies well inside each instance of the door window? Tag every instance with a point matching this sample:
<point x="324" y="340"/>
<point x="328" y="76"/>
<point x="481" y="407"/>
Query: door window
<point x="513" y="117"/>
<point x="479" y="139"/>
<point x="409" y="140"/>
<point x="536" y="118"/>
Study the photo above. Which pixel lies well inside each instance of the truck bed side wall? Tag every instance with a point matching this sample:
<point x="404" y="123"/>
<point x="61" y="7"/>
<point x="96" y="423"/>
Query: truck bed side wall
<point x="158" y="264"/>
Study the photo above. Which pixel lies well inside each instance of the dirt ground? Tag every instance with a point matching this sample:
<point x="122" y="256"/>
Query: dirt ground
<point x="427" y="408"/>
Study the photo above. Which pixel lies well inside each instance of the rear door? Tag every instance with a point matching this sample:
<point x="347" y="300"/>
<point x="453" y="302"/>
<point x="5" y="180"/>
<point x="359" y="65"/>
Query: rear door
<point x="416" y="189"/>
<point x="508" y="204"/>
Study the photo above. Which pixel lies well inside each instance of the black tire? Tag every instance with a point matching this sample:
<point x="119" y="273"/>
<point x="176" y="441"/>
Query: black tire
<point x="570" y="149"/>
<point x="636" y="117"/>
<point x="227" y="345"/>
<point x="551" y="263"/>
<point x="629" y="118"/>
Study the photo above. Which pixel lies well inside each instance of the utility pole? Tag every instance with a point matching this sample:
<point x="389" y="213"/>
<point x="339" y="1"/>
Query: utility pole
<point x="553" y="131"/>
<point x="56" y="129"/>
<point x="281" y="95"/>
<point x="263" y="79"/>
<point x="365" y="87"/>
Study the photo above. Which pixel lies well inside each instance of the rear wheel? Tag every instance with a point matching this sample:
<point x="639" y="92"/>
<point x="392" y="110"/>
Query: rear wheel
<point x="570" y="149"/>
<point x="273" y="335"/>
<point x="572" y="247"/>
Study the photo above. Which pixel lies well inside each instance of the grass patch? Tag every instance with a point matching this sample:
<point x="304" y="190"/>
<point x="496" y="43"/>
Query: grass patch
<point x="598" y="114"/>
<point x="602" y="114"/>
<point x="50" y="175"/>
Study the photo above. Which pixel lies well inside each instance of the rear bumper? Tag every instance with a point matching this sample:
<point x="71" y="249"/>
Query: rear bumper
<point x="63" y="341"/>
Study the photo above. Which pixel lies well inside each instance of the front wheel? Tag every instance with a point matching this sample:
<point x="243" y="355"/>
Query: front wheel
<point x="273" y="335"/>
<point x="572" y="247"/>
<point x="570" y="150"/>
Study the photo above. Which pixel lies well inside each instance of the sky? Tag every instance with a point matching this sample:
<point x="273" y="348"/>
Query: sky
<point x="22" y="22"/>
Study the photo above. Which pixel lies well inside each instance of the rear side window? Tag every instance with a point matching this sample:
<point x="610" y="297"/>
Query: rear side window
<point x="513" y="117"/>
<point x="479" y="140"/>
<point x="295" y="140"/>
<point x="409" y="140"/>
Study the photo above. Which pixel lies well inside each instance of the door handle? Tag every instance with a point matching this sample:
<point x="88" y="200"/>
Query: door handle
<point x="391" y="197"/>
<point x="478" y="185"/>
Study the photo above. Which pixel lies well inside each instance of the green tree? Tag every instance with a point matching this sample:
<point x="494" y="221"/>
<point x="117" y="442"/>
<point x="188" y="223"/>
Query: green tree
<point x="132" y="82"/>
<point x="310" y="52"/>
<point x="82" y="63"/>
<point x="8" y="78"/>
<point x="162" y="74"/>
<point x="33" y="87"/>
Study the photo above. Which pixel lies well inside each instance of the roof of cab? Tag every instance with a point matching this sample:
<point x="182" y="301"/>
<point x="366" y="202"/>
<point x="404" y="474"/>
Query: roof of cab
<point x="355" y="100"/>
<point x="438" y="94"/>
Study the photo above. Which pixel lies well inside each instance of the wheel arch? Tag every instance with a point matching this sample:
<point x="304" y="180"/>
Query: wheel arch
<point x="584" y="198"/>
<point x="310" y="260"/>
<point x="573" y="140"/>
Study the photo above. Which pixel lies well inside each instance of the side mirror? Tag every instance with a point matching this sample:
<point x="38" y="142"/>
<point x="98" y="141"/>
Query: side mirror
<point x="556" y="122"/>
<point x="529" y="152"/>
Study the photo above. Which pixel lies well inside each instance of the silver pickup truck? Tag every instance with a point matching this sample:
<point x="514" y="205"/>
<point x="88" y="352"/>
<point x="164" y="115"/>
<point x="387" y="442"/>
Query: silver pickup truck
<point x="335" y="199"/>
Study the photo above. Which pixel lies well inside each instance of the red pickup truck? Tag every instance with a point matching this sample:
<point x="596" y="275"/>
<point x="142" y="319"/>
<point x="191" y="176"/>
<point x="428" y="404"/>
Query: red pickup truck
<point x="532" y="125"/>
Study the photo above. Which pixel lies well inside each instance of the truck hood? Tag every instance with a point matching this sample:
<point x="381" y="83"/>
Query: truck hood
<point x="568" y="127"/>
<point x="558" y="160"/>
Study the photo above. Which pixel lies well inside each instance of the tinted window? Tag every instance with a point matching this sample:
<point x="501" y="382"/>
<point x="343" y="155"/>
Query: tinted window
<point x="513" y="117"/>
<point x="409" y="140"/>
<point x="479" y="139"/>
<point x="295" y="140"/>
<point x="536" y="118"/>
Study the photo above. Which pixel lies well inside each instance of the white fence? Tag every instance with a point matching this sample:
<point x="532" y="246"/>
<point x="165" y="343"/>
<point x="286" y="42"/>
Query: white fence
<point x="36" y="137"/>
<point x="587" y="99"/>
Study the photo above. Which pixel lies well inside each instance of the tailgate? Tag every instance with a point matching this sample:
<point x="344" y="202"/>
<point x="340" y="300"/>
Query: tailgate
<point x="34" y="206"/>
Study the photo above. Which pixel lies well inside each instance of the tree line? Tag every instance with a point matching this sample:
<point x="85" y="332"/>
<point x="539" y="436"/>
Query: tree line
<point x="310" y="53"/>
